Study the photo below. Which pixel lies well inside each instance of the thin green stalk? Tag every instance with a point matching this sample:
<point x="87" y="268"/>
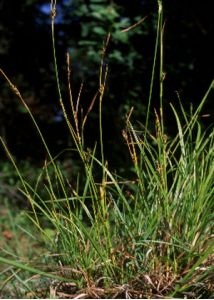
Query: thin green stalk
<point x="102" y="83"/>
<point x="161" y="73"/>
<point x="153" y="70"/>
<point x="53" y="15"/>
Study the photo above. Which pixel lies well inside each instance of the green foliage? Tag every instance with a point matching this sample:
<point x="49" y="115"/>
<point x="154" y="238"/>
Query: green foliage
<point x="156" y="224"/>
<point x="104" y="18"/>
<point x="149" y="234"/>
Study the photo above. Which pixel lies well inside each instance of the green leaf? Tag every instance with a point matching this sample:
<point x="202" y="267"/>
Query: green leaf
<point x="99" y="31"/>
<point x="25" y="267"/>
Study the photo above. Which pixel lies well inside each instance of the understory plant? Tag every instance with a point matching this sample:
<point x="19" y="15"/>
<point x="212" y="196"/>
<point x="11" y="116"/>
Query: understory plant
<point x="149" y="235"/>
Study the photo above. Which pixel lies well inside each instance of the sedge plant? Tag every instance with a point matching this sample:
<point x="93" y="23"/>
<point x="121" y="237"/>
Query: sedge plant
<point x="150" y="235"/>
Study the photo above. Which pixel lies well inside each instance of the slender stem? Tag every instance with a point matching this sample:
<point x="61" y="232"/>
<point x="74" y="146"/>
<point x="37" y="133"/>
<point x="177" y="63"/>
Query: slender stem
<point x="102" y="83"/>
<point x="161" y="74"/>
<point x="153" y="71"/>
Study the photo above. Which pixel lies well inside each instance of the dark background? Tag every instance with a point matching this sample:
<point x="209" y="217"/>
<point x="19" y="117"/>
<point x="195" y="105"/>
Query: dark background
<point x="81" y="27"/>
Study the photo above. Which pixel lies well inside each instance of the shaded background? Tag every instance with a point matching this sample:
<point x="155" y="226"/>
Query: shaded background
<point x="81" y="27"/>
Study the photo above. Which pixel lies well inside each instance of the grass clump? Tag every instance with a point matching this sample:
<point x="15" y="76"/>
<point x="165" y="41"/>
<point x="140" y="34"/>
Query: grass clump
<point x="150" y="235"/>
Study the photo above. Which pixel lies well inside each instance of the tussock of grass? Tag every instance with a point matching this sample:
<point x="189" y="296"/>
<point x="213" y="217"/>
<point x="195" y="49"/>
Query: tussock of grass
<point x="150" y="235"/>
